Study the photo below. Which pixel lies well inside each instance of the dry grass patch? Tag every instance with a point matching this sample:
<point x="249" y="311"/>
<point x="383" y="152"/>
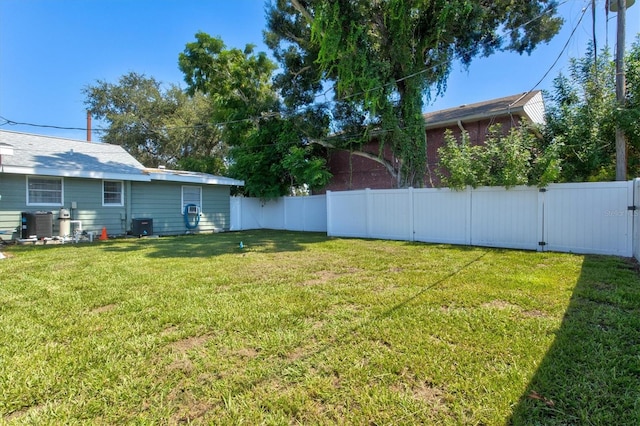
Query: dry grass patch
<point x="246" y="352"/>
<point x="24" y="413"/>
<point x="326" y="275"/>
<point x="535" y="313"/>
<point x="189" y="343"/>
<point x="186" y="408"/>
<point x="500" y="304"/>
<point x="104" y="308"/>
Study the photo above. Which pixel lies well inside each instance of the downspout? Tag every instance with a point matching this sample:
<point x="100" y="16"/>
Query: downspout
<point x="513" y="123"/>
<point x="460" y="126"/>
<point x="127" y="215"/>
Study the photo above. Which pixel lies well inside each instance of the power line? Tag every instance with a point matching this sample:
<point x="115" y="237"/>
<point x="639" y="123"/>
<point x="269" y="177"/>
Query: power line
<point x="100" y="129"/>
<point x="584" y="11"/>
<point x="48" y="126"/>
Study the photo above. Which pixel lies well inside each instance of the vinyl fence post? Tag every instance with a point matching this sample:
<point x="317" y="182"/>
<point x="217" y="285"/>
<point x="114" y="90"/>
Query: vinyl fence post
<point x="412" y="232"/>
<point x="368" y="207"/>
<point x="636" y="219"/>
<point x="468" y="230"/>
<point x="541" y="231"/>
<point x="329" y="215"/>
<point x="631" y="212"/>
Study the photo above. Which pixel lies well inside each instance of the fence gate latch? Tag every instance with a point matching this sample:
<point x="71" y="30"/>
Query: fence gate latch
<point x="632" y="208"/>
<point x="542" y="243"/>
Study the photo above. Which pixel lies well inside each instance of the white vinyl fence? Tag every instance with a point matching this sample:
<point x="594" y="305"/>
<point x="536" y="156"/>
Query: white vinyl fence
<point x="287" y="213"/>
<point x="636" y="218"/>
<point x="596" y="218"/>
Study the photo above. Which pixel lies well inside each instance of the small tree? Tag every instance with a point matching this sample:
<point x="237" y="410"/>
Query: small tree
<point x="503" y="160"/>
<point x="582" y="116"/>
<point x="273" y="161"/>
<point x="630" y="117"/>
<point x="459" y="162"/>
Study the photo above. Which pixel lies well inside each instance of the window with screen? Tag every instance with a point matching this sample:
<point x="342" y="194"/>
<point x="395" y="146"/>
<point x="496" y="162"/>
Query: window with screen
<point x="191" y="195"/>
<point x="43" y="191"/>
<point x="112" y="193"/>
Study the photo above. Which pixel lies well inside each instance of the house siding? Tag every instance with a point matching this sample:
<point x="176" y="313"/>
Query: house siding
<point x="87" y="194"/>
<point x="535" y="108"/>
<point x="12" y="203"/>
<point x="350" y="171"/>
<point x="162" y="202"/>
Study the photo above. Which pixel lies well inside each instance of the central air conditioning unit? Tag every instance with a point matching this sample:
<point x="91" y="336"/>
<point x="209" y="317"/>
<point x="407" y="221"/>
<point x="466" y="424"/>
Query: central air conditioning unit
<point x="38" y="224"/>
<point x="142" y="227"/>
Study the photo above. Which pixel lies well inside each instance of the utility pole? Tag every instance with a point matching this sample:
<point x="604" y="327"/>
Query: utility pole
<point x="621" y="143"/>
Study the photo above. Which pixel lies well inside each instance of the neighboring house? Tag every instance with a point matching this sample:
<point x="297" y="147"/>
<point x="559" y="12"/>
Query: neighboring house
<point x="100" y="186"/>
<point x="351" y="171"/>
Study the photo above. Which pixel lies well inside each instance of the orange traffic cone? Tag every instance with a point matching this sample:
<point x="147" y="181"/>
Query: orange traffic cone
<point x="104" y="236"/>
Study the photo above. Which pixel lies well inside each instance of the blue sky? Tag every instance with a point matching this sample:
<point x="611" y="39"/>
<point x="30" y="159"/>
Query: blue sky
<point x="51" y="49"/>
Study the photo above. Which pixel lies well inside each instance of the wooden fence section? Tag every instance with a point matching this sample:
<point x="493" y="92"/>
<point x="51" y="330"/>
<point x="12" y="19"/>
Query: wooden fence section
<point x="597" y="218"/>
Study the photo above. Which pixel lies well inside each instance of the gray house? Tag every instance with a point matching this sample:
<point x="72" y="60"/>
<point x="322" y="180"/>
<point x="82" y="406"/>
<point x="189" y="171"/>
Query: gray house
<point x="91" y="186"/>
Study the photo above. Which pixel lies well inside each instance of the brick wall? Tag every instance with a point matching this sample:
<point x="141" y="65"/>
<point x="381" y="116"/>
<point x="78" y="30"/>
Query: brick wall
<point x="355" y="172"/>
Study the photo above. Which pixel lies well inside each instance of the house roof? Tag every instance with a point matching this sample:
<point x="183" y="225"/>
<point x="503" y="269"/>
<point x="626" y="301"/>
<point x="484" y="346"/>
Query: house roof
<point x="529" y="105"/>
<point x="191" y="177"/>
<point x="52" y="156"/>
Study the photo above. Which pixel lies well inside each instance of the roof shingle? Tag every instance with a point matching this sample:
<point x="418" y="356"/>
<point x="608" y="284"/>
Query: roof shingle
<point x="514" y="104"/>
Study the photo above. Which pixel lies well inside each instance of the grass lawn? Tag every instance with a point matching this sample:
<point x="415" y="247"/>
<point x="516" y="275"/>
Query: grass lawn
<point x="299" y="328"/>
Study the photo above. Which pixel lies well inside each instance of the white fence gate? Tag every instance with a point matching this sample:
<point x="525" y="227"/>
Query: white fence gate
<point x="589" y="218"/>
<point x="598" y="218"/>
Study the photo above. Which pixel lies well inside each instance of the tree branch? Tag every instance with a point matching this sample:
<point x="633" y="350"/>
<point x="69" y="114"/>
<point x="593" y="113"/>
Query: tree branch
<point x="297" y="73"/>
<point x="304" y="12"/>
<point x="387" y="164"/>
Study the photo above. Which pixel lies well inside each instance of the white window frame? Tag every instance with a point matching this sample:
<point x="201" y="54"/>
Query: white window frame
<point x="50" y="178"/>
<point x="118" y="204"/>
<point x="184" y="203"/>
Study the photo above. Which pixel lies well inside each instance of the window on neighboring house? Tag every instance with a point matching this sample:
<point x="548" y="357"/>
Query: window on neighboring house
<point x="44" y="191"/>
<point x="112" y="193"/>
<point x="191" y="195"/>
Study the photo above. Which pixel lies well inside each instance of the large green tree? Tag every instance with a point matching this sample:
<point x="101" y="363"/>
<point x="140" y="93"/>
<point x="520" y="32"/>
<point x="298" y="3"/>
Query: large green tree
<point x="238" y="83"/>
<point x="269" y="144"/>
<point x="156" y="126"/>
<point x="383" y="59"/>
